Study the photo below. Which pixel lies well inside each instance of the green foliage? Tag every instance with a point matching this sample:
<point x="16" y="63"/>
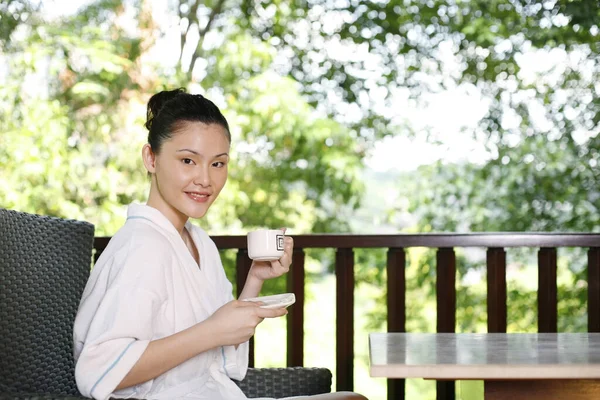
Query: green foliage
<point x="291" y="166"/>
<point x="12" y="14"/>
<point x="63" y="105"/>
<point x="541" y="131"/>
<point x="406" y="42"/>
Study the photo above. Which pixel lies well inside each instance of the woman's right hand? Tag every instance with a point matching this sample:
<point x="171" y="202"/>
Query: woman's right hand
<point x="236" y="321"/>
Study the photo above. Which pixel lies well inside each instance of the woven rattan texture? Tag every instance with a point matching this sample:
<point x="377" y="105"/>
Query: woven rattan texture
<point x="44" y="266"/>
<point x="285" y="382"/>
<point x="46" y="396"/>
<point x="34" y="396"/>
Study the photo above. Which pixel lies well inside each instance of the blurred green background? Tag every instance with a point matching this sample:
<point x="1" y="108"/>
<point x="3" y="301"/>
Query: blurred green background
<point x="347" y="116"/>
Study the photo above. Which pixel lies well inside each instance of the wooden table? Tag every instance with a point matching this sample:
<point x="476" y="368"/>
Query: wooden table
<point x="514" y="366"/>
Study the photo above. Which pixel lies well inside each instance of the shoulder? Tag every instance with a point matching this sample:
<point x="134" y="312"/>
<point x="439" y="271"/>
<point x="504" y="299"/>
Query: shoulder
<point x="137" y="250"/>
<point x="136" y="239"/>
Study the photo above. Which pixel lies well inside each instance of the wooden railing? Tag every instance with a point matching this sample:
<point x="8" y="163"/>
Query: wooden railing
<point x="495" y="245"/>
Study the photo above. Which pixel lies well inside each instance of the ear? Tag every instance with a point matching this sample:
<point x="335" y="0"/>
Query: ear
<point x="149" y="158"/>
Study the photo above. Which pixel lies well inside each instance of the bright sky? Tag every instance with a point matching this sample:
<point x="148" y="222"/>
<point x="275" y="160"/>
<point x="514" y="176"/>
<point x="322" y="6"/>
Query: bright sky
<point x="446" y="113"/>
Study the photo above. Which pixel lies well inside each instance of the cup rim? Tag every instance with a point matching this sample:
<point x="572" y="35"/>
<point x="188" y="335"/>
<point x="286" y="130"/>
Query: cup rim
<point x="264" y="230"/>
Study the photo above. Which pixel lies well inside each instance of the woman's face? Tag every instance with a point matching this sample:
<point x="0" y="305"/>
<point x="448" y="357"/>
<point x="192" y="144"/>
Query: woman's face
<point x="189" y="172"/>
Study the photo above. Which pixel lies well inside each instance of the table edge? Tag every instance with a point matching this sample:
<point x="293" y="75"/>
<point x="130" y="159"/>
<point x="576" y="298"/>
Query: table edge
<point x="483" y="372"/>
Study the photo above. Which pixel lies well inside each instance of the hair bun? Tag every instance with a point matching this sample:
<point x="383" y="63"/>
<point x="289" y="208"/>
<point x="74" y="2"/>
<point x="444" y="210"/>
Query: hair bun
<point x="157" y="102"/>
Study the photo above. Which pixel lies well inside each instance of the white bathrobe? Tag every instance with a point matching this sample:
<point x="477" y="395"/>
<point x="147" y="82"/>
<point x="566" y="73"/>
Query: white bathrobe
<point x="145" y="286"/>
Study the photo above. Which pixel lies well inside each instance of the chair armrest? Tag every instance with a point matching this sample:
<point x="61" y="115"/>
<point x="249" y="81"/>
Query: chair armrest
<point x="259" y="382"/>
<point x="285" y="382"/>
<point x="40" y="396"/>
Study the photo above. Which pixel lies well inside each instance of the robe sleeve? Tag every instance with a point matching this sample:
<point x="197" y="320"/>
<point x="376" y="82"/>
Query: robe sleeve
<point x="234" y="361"/>
<point x="120" y="329"/>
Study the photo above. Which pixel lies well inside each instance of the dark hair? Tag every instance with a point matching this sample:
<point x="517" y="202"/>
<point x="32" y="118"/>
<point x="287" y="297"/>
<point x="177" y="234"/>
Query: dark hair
<point x="168" y="111"/>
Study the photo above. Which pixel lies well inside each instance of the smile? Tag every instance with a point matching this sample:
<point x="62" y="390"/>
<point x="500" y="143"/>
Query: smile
<point x="198" y="197"/>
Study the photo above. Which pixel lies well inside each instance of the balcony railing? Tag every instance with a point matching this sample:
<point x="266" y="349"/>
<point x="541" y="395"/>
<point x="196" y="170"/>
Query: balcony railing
<point x="495" y="245"/>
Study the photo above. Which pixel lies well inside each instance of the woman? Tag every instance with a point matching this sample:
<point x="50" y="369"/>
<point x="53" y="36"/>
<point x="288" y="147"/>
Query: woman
<point x="157" y="319"/>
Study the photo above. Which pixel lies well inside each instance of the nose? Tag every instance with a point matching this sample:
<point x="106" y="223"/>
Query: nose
<point x="202" y="178"/>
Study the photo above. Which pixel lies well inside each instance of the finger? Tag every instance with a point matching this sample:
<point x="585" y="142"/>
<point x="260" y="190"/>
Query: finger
<point x="285" y="265"/>
<point x="248" y="303"/>
<point x="280" y="266"/>
<point x="277" y="272"/>
<point x="283" y="229"/>
<point x="285" y="260"/>
<point x="271" y="312"/>
<point x="288" y="245"/>
<point x="288" y="241"/>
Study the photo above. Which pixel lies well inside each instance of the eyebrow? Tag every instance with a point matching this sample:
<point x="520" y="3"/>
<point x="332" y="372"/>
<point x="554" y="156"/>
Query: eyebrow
<point x="198" y="154"/>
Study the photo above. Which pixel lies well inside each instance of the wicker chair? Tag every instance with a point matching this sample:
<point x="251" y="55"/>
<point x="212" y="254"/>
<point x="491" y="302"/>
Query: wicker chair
<point x="44" y="266"/>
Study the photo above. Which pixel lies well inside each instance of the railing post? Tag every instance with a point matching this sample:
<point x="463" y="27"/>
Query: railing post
<point x="496" y="290"/>
<point x="295" y="318"/>
<point x="547" y="291"/>
<point x="344" y="272"/>
<point x="243" y="264"/>
<point x="446" y="308"/>
<point x="396" y="304"/>
<point x="594" y="289"/>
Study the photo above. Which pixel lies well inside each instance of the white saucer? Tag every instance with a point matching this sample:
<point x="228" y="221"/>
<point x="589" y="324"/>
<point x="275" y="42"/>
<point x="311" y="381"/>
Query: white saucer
<point x="276" y="300"/>
<point x="272" y="258"/>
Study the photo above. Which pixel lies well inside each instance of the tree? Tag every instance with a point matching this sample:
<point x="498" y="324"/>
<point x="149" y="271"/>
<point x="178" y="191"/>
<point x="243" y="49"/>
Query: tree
<point x="291" y="167"/>
<point x="63" y="97"/>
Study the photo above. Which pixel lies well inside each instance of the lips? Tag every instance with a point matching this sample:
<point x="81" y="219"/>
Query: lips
<point x="198" y="197"/>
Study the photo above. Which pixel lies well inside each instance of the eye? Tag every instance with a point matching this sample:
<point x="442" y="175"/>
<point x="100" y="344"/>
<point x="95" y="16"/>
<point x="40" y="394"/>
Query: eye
<point x="187" y="161"/>
<point x="218" y="164"/>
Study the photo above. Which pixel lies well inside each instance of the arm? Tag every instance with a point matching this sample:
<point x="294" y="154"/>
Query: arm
<point x="252" y="286"/>
<point x="163" y="354"/>
<point x="232" y="324"/>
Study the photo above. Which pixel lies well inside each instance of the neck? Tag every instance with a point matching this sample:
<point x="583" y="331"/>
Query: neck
<point x="155" y="200"/>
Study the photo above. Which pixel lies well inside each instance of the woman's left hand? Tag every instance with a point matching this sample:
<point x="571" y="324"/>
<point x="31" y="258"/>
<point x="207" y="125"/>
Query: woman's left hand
<point x="264" y="270"/>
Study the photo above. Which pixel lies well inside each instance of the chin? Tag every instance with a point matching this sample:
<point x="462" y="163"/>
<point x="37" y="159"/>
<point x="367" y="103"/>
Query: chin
<point x="195" y="210"/>
<point x="197" y="213"/>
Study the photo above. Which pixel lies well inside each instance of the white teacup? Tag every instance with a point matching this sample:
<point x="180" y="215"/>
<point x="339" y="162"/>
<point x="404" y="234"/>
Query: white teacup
<point x="265" y="244"/>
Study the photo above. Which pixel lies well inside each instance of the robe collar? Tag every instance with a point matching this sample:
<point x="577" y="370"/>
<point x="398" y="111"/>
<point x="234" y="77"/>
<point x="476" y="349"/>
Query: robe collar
<point x="143" y="211"/>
